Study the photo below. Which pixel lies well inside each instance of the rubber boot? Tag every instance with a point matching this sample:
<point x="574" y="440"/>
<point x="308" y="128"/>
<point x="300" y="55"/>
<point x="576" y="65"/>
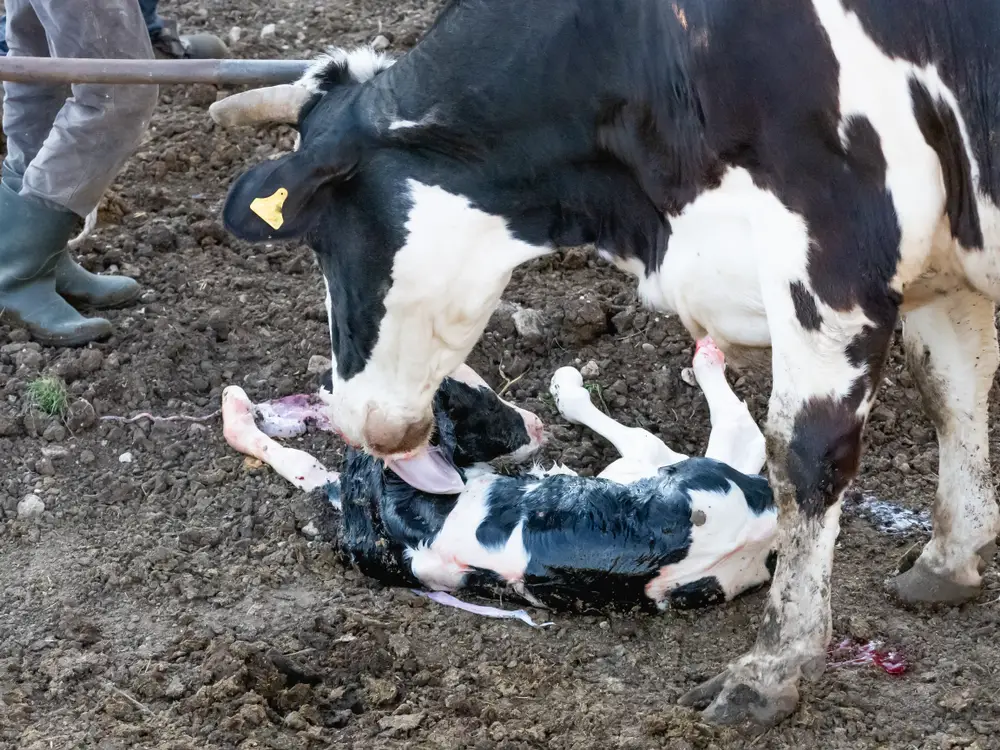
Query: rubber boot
<point x="169" y="44"/>
<point x="32" y="238"/>
<point x="76" y="284"/>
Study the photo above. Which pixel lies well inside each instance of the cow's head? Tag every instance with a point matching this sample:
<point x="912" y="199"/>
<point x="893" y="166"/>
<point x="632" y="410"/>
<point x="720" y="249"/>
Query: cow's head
<point x="422" y="184"/>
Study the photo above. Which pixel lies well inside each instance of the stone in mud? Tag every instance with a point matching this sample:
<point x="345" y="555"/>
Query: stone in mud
<point x="584" y="320"/>
<point x="81" y="415"/>
<point x="30" y="507"/>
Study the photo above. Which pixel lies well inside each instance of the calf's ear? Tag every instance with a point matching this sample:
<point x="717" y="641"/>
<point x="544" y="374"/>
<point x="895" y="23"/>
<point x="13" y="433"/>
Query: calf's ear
<point x="275" y="200"/>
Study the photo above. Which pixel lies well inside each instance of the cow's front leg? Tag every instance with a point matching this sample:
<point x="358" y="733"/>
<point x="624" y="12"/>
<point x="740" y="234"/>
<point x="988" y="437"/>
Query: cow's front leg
<point x="951" y="350"/>
<point x="826" y="368"/>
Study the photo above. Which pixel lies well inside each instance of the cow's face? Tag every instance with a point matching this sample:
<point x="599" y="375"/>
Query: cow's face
<point x="412" y="271"/>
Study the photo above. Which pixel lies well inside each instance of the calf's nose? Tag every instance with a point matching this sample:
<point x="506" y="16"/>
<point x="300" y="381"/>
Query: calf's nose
<point x="385" y="436"/>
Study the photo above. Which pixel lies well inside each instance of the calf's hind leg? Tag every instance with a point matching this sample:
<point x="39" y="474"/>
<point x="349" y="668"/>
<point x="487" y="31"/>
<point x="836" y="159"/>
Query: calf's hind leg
<point x="735" y="439"/>
<point x="951" y="351"/>
<point x="633" y="443"/>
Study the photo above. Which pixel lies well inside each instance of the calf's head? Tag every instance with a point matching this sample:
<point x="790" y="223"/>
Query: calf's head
<point x="473" y="424"/>
<point x="421" y="184"/>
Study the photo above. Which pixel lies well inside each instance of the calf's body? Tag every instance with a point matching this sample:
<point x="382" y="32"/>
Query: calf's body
<point x="654" y="529"/>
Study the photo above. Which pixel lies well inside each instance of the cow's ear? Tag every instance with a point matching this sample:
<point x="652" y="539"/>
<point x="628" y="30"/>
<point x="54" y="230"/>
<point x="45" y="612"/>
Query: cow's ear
<point x="275" y="200"/>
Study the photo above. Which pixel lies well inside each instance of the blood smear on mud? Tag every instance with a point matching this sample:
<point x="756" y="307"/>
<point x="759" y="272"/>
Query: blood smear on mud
<point x="863" y="654"/>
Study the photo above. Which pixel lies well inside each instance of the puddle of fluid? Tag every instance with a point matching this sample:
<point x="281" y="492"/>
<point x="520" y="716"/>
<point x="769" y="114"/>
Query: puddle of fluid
<point x="887" y="517"/>
<point x="850" y="653"/>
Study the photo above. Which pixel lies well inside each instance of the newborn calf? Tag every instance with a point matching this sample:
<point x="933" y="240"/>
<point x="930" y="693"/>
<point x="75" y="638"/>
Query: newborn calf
<point x="654" y="529"/>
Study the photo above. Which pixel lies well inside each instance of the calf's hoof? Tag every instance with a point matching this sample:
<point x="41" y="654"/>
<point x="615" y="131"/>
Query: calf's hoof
<point x="921" y="585"/>
<point x="736" y="696"/>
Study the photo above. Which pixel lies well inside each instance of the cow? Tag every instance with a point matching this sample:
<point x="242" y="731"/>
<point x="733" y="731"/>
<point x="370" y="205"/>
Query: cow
<point x="654" y="530"/>
<point x="792" y="175"/>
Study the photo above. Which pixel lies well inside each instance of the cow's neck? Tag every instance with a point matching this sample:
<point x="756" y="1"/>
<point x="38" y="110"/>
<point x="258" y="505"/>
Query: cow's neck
<point x="560" y="122"/>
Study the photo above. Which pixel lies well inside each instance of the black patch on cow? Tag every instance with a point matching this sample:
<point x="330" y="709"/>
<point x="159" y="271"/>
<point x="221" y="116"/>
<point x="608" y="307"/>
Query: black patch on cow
<point x="628" y="142"/>
<point x="941" y="130"/>
<point x="382" y="516"/>
<point x="769" y="87"/>
<point x="701" y="593"/>
<point x="870" y="348"/>
<point x="805" y="307"/>
<point x="485" y="428"/>
<point x="863" y="148"/>
<point x="824" y="452"/>
<point x="957" y="39"/>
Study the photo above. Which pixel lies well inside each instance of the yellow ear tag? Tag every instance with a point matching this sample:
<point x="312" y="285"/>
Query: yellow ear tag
<point x="269" y="209"/>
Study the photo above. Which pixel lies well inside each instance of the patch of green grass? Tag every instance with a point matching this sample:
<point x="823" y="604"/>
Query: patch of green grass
<point x="49" y="395"/>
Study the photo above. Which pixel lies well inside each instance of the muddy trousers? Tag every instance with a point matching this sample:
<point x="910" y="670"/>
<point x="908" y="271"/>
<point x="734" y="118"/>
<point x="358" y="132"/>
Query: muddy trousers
<point x="66" y="144"/>
<point x="154" y="24"/>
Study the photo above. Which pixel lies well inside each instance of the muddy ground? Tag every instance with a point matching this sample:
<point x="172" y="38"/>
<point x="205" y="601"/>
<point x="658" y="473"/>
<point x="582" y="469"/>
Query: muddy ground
<point x="174" y="602"/>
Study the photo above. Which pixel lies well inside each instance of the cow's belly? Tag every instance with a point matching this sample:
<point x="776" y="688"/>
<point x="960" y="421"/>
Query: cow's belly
<point x="709" y="275"/>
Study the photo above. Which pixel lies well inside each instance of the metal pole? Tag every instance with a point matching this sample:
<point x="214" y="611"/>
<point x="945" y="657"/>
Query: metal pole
<point x="218" y="72"/>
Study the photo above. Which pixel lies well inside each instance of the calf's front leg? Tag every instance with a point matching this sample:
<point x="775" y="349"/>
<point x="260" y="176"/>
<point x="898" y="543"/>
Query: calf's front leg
<point x="951" y="350"/>
<point x="826" y="367"/>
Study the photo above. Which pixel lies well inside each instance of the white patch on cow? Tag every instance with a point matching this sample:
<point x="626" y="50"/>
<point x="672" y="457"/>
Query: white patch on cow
<point x="709" y="273"/>
<point x="951" y="348"/>
<point x="402" y="124"/>
<point x="982" y="268"/>
<point x="329" y="319"/>
<point x="630" y="265"/>
<point x="447" y="280"/>
<point x="876" y="86"/>
<point x="720" y="245"/>
<point x="362" y="64"/>
<point x="443" y="564"/>
<point x="731" y="545"/>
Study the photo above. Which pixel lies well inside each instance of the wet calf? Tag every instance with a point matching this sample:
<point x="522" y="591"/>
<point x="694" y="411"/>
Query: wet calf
<point x="654" y="529"/>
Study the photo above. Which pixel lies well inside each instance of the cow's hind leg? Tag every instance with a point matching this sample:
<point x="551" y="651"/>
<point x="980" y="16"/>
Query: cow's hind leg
<point x="951" y="350"/>
<point x="826" y="364"/>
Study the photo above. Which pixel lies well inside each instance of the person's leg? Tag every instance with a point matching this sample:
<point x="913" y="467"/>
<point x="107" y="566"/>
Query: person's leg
<point x="154" y="24"/>
<point x="29" y="109"/>
<point x="164" y="37"/>
<point x="33" y="234"/>
<point x="98" y="128"/>
<point x="92" y="135"/>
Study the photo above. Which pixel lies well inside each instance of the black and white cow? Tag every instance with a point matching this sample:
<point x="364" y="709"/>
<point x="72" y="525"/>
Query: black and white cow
<point x="654" y="529"/>
<point x="792" y="173"/>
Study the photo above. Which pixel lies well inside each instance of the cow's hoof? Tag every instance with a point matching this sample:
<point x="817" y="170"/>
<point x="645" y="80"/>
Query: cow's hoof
<point x="921" y="585"/>
<point x="733" y="697"/>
